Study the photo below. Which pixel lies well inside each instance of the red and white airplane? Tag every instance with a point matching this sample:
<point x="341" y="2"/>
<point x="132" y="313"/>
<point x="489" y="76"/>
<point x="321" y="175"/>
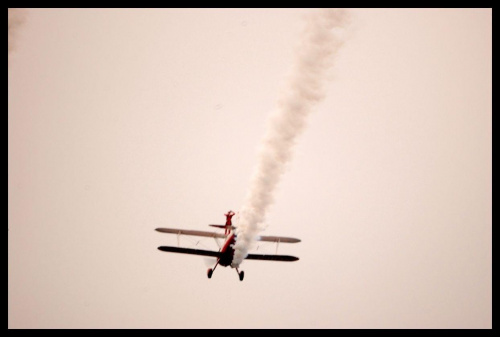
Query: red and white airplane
<point x="226" y="252"/>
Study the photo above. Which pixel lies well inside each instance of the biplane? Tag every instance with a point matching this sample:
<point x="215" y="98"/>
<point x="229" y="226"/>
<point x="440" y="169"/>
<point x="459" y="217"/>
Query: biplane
<point x="226" y="252"/>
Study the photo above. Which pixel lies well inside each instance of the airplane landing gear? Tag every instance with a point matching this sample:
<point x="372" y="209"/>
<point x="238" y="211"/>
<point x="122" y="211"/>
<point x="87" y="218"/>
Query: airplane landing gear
<point x="240" y="274"/>
<point x="210" y="271"/>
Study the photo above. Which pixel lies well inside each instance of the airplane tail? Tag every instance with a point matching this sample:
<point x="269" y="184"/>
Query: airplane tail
<point x="218" y="226"/>
<point x="227" y="228"/>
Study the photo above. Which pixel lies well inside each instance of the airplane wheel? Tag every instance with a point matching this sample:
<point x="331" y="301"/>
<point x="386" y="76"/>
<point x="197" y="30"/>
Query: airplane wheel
<point x="242" y="274"/>
<point x="209" y="273"/>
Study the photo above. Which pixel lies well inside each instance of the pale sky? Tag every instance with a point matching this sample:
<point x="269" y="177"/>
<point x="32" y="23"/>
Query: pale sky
<point x="124" y="120"/>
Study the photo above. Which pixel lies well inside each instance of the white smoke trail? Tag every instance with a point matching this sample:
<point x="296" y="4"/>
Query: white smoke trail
<point x="320" y="41"/>
<point x="16" y="18"/>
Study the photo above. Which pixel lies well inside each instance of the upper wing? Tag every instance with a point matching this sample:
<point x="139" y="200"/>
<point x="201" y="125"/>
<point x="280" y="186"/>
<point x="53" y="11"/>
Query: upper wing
<point x="191" y="232"/>
<point x="189" y="251"/>
<point x="222" y="236"/>
<point x="278" y="239"/>
<point x="271" y="257"/>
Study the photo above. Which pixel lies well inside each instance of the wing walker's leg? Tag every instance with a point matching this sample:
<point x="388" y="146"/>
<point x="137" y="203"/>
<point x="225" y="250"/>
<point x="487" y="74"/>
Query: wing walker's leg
<point x="210" y="271"/>
<point x="240" y="274"/>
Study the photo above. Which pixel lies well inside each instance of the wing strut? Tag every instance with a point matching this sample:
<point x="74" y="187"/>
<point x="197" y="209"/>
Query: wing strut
<point x="218" y="244"/>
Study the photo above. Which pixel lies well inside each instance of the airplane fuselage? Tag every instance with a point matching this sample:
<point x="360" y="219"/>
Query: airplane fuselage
<point x="227" y="251"/>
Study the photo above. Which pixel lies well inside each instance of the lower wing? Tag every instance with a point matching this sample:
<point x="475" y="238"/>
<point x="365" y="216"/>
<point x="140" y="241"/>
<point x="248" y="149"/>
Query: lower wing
<point x="286" y="258"/>
<point x="189" y="251"/>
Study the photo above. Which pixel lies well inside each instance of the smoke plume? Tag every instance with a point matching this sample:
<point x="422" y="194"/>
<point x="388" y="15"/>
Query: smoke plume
<point x="320" y="41"/>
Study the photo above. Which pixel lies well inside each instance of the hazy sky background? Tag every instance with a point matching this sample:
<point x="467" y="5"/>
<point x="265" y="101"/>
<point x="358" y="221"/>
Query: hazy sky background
<point x="121" y="121"/>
